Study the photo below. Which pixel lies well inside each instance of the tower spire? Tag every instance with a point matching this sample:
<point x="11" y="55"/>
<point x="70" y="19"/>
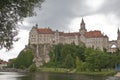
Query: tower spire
<point x="82" y="22"/>
<point x="118" y="30"/>
<point x="118" y="38"/>
<point x="82" y="27"/>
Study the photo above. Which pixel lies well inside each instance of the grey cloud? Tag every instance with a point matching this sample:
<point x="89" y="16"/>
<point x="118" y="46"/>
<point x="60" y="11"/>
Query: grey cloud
<point x="57" y="14"/>
<point x="110" y="7"/>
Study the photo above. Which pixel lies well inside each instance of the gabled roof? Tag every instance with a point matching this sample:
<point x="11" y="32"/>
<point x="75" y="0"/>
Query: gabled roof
<point x="94" y="34"/>
<point x="90" y="34"/>
<point x="45" y="31"/>
<point x="49" y="31"/>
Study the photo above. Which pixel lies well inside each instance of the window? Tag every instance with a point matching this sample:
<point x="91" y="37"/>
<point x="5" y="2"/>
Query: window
<point x="31" y="35"/>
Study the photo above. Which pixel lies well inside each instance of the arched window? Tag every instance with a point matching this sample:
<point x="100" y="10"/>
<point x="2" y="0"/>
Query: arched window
<point x="113" y="46"/>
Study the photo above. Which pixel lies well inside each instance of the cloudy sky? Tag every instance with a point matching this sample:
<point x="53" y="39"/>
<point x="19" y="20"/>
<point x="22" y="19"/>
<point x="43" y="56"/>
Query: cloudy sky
<point x="65" y="15"/>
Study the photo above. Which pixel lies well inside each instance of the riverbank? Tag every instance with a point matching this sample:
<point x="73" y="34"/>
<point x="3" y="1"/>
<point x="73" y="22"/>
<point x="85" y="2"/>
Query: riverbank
<point x="12" y="70"/>
<point x="102" y="73"/>
<point x="63" y="70"/>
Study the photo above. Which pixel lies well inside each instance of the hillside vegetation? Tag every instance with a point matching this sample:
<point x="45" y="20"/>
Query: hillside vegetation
<point x="79" y="57"/>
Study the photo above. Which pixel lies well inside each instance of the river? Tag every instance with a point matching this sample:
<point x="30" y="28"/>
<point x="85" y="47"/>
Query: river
<point x="50" y="76"/>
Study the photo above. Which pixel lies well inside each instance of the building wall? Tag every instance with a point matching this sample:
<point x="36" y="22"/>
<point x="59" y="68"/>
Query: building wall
<point x="97" y="42"/>
<point x="91" y="39"/>
<point x="45" y="38"/>
<point x="3" y="65"/>
<point x="33" y="35"/>
<point x="55" y="38"/>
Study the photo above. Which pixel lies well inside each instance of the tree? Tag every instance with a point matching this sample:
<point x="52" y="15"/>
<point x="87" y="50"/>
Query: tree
<point x="32" y="68"/>
<point x="11" y="12"/>
<point x="60" y="55"/>
<point x="69" y="61"/>
<point x="78" y="64"/>
<point x="11" y="63"/>
<point x="97" y="60"/>
<point x="80" y="52"/>
<point x="24" y="59"/>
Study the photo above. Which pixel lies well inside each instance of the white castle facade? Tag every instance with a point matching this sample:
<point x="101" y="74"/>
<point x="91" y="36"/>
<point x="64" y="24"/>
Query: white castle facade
<point x="93" y="39"/>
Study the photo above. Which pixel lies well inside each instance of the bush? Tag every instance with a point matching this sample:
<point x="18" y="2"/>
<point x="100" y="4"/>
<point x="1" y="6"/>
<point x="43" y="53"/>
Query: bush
<point x="24" y="59"/>
<point x="33" y="68"/>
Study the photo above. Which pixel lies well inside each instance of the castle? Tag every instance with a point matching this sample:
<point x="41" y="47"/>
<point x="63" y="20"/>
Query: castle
<point x="41" y="41"/>
<point x="94" y="39"/>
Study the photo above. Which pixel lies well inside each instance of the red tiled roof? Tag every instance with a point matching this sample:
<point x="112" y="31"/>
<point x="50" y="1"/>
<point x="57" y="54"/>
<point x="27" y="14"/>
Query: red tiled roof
<point x="4" y="62"/>
<point x="45" y="31"/>
<point x="94" y="34"/>
<point x="68" y="34"/>
<point x="71" y="34"/>
<point x="90" y="34"/>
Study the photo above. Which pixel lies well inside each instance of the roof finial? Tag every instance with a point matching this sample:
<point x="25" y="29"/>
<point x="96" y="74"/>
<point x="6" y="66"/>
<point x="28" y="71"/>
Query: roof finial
<point x="36" y="25"/>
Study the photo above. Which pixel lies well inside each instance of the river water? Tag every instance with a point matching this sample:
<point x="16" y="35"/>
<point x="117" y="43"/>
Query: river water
<point x="50" y="76"/>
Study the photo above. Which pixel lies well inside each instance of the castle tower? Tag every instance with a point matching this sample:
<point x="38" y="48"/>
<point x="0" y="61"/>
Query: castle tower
<point x="118" y="37"/>
<point x="82" y="27"/>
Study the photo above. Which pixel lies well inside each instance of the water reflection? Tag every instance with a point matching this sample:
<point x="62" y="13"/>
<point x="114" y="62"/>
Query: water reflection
<point x="10" y="75"/>
<point x="50" y="76"/>
<point x="62" y="76"/>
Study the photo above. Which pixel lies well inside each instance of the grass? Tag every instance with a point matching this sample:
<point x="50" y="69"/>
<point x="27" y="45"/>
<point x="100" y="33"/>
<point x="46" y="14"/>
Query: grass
<point x="63" y="70"/>
<point x="102" y="73"/>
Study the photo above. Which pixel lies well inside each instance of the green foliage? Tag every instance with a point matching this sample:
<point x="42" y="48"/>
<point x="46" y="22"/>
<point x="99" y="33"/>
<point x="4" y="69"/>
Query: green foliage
<point x="80" y="66"/>
<point x="64" y="56"/>
<point x="11" y="63"/>
<point x="24" y="59"/>
<point x="12" y="12"/>
<point x="69" y="62"/>
<point x="97" y="60"/>
<point x="53" y="70"/>
<point x="82" y="58"/>
<point x="32" y="68"/>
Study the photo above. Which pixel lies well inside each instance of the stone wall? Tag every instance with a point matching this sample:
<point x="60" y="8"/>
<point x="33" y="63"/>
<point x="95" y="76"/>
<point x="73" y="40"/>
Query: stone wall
<point x="40" y="53"/>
